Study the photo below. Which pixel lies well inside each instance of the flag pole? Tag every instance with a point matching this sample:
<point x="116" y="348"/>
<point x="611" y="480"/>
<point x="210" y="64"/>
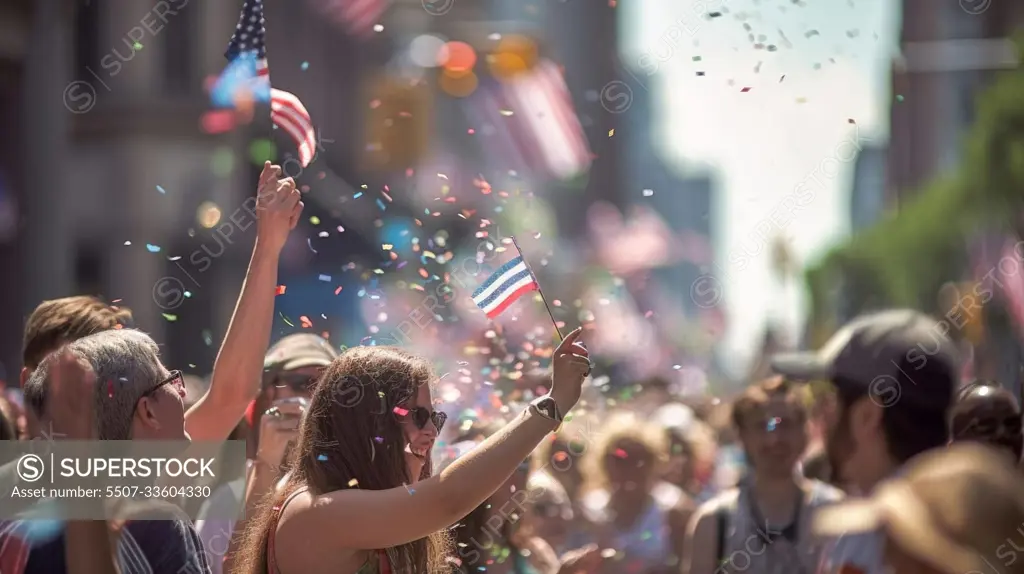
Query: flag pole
<point x="542" y="297"/>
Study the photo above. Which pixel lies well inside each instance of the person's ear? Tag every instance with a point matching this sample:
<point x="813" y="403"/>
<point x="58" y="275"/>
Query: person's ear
<point x="865" y="418"/>
<point x="25" y="374"/>
<point x="145" y="413"/>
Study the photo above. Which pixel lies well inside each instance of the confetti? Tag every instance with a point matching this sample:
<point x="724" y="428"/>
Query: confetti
<point x="326" y="278"/>
<point x="899" y="97"/>
<point x="309" y="243"/>
<point x="137" y="46"/>
<point x="153" y="248"/>
<point x="160" y="189"/>
<point x="169" y="317"/>
<point x="281" y="289"/>
<point x="353" y="483"/>
<point x="745" y="90"/>
<point x="304" y="66"/>
<point x="321" y="457"/>
<point x="648" y="192"/>
<point x="400" y="411"/>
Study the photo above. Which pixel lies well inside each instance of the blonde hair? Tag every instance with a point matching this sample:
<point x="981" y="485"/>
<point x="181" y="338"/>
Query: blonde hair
<point x="623" y="426"/>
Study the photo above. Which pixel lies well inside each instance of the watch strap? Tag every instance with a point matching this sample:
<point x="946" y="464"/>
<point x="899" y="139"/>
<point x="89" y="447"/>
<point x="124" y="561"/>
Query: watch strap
<point x="547" y="408"/>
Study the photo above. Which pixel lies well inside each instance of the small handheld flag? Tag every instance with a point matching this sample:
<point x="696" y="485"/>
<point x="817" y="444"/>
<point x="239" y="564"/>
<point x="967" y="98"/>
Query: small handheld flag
<point x="248" y="46"/>
<point x="510" y="282"/>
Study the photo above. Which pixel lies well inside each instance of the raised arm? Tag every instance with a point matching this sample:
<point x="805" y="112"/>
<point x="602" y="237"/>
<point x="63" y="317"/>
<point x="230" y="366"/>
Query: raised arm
<point x="237" y="372"/>
<point x="364" y="519"/>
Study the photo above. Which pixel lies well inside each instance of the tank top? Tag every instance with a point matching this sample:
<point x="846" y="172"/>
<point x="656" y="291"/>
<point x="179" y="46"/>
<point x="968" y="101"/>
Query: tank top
<point x="376" y="564"/>
<point x="751" y="546"/>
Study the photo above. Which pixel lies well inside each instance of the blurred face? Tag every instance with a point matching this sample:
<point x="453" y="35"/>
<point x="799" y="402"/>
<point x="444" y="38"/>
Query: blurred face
<point x="989" y="416"/>
<point x="854" y="439"/>
<point x="564" y="464"/>
<point x="629" y="466"/>
<point x="294" y="383"/>
<point x="160" y="413"/>
<point x="421" y="424"/>
<point x="680" y="467"/>
<point x="775" y="437"/>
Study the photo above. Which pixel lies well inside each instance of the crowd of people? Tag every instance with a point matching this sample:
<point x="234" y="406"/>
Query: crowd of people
<point x="867" y="457"/>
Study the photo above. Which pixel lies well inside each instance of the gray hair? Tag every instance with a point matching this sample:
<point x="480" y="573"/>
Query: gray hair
<point x="127" y="366"/>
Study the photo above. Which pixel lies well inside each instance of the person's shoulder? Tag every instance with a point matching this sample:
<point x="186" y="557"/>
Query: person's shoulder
<point x="723" y="500"/>
<point x="822" y="493"/>
<point x="159" y="546"/>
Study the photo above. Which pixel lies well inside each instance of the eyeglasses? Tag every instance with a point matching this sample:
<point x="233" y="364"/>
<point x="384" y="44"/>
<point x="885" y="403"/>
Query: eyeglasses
<point x="175" y="378"/>
<point x="421" y="415"/>
<point x="298" y="382"/>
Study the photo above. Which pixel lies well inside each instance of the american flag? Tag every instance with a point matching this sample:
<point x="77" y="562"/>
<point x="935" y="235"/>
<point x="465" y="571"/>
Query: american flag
<point x="358" y="16"/>
<point x="534" y="122"/>
<point x="286" y="110"/>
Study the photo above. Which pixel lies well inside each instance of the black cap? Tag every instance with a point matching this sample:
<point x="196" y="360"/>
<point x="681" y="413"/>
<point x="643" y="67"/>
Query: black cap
<point x="896" y="355"/>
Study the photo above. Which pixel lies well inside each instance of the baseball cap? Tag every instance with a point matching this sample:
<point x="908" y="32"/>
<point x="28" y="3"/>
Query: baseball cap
<point x="297" y="351"/>
<point x="875" y="352"/>
<point x="950" y="508"/>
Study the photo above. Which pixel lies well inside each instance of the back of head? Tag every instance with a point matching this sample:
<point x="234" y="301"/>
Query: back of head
<point x="126" y="363"/>
<point x="986" y="412"/>
<point x="958" y="510"/>
<point x="59" y="321"/>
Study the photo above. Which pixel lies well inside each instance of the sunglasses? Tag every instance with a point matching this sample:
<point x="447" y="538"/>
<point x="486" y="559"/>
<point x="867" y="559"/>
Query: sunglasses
<point x="298" y="382"/>
<point x="420" y="416"/>
<point x="175" y="379"/>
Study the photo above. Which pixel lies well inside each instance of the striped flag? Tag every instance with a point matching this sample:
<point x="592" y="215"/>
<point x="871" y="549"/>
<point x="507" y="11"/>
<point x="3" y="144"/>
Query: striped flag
<point x="286" y="110"/>
<point x="510" y="282"/>
<point x="535" y="122"/>
<point x="358" y="16"/>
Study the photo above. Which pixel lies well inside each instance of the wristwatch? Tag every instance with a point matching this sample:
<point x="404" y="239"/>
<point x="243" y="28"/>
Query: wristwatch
<point x="547" y="407"/>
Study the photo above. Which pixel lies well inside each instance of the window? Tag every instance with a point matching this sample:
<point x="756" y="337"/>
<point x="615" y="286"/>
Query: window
<point x="89" y="270"/>
<point x="87" y="34"/>
<point x="180" y="47"/>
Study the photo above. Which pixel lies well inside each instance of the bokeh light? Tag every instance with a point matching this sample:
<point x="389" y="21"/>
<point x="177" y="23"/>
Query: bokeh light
<point x="457" y="57"/>
<point x="514" y="55"/>
<point x="425" y="51"/>
<point x="208" y="215"/>
<point x="459" y="85"/>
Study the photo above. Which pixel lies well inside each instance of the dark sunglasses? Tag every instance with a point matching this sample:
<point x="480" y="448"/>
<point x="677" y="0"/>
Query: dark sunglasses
<point x="176" y="379"/>
<point x="421" y="415"/>
<point x="298" y="382"/>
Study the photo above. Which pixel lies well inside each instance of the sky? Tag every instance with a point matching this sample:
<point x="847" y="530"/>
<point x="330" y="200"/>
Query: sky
<point x="782" y="152"/>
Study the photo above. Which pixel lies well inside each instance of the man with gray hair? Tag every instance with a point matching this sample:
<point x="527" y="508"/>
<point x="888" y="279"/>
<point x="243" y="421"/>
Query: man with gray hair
<point x="133" y="396"/>
<point x="136" y="398"/>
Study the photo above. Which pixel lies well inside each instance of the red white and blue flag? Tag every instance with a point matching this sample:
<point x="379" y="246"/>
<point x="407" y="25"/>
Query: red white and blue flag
<point x="504" y="286"/>
<point x="248" y="45"/>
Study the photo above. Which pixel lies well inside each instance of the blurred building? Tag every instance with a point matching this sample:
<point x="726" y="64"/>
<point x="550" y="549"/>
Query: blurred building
<point x="684" y="202"/>
<point x="869" y="194"/>
<point x="948" y="55"/>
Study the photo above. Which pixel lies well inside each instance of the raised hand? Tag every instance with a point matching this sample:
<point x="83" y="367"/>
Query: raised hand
<point x="278" y="206"/>
<point x="278" y="427"/>
<point x="571" y="365"/>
